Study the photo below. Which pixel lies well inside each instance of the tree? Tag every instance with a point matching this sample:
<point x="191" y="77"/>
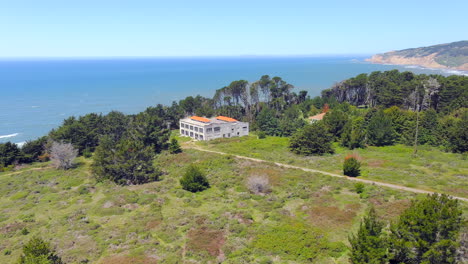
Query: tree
<point x="37" y="251"/>
<point x="194" y="180"/>
<point x="354" y="134"/>
<point x="380" y="131"/>
<point x="312" y="139"/>
<point x="127" y="161"/>
<point x="174" y="146"/>
<point x="63" y="155"/>
<point x="336" y="121"/>
<point x="267" y="122"/>
<point x="9" y="153"/>
<point x="369" y="245"/>
<point x="351" y="166"/>
<point x="33" y="149"/>
<point x="427" y="231"/>
<point x="458" y="134"/>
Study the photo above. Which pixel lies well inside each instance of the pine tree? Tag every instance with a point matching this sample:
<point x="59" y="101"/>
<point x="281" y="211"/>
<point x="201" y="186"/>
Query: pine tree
<point x="37" y="251"/>
<point x="427" y="232"/>
<point x="313" y="139"/>
<point x="174" y="146"/>
<point x="194" y="180"/>
<point x="380" y="130"/>
<point x="369" y="245"/>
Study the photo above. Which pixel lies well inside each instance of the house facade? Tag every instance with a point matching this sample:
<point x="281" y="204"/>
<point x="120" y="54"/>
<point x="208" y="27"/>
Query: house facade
<point x="202" y="128"/>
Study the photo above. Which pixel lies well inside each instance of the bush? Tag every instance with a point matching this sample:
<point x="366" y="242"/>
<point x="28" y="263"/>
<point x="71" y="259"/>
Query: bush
<point x="359" y="187"/>
<point x="312" y="139"/>
<point x="261" y="135"/>
<point x="258" y="184"/>
<point x="63" y="155"/>
<point x="351" y="166"/>
<point x="174" y="146"/>
<point x="194" y="180"/>
<point x="38" y="251"/>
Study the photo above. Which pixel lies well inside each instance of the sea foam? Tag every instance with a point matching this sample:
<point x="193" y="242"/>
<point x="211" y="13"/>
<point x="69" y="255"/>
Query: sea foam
<point x="9" y="136"/>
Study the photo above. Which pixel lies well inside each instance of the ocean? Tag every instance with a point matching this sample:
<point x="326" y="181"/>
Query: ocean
<point x="37" y="94"/>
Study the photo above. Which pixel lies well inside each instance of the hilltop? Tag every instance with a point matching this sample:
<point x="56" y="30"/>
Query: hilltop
<point x="446" y="56"/>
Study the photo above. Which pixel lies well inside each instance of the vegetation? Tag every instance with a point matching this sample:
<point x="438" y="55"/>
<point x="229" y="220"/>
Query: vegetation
<point x="369" y="245"/>
<point x="351" y="166"/>
<point x="194" y="180"/>
<point x="37" y="251"/>
<point x="174" y="146"/>
<point x="312" y="139"/>
<point x="63" y="155"/>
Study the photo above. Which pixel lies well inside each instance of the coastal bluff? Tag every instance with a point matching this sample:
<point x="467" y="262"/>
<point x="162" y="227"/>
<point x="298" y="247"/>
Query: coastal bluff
<point x="443" y="56"/>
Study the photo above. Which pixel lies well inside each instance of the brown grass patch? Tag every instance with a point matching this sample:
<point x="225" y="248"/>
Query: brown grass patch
<point x="204" y="239"/>
<point x="272" y="174"/>
<point x="376" y="163"/>
<point x="332" y="216"/>
<point x="391" y="210"/>
<point x="13" y="227"/>
<point x="128" y="260"/>
<point x="152" y="224"/>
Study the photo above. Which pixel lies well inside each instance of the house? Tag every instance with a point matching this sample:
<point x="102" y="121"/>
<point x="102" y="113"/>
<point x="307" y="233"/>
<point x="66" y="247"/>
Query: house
<point x="202" y="128"/>
<point x="316" y="118"/>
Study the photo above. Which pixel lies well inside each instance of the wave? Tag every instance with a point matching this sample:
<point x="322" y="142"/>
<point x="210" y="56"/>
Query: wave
<point x="9" y="136"/>
<point x="20" y="144"/>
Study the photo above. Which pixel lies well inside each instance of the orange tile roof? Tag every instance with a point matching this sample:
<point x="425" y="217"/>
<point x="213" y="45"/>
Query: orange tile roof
<point x="200" y="119"/>
<point x="225" y="118"/>
<point x="318" y="117"/>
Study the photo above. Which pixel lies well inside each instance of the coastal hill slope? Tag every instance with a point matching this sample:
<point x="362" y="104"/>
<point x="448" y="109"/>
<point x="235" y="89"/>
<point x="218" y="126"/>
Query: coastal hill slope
<point x="447" y="56"/>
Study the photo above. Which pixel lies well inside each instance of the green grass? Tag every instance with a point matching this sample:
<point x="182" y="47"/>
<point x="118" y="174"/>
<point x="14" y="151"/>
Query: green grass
<point x="101" y="222"/>
<point x="431" y="169"/>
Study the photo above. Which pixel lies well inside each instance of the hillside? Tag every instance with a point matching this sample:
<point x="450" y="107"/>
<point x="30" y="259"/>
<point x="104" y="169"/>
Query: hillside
<point x="449" y="56"/>
<point x="101" y="222"/>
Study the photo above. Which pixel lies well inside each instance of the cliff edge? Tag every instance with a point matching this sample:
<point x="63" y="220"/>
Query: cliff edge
<point x="443" y="56"/>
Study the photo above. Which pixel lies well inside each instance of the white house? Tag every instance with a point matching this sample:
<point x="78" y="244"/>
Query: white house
<point x="202" y="128"/>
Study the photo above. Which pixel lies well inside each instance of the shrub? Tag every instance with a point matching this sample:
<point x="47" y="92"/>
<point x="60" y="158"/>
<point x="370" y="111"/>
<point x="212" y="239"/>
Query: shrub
<point x="351" y="166"/>
<point x="174" y="146"/>
<point x="359" y="187"/>
<point x="194" y="180"/>
<point x="312" y="139"/>
<point x="38" y="251"/>
<point x="63" y="155"/>
<point x="258" y="184"/>
<point x="261" y="135"/>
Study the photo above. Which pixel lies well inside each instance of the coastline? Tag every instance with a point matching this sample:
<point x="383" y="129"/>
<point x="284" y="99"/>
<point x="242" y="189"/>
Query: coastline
<point x="446" y="70"/>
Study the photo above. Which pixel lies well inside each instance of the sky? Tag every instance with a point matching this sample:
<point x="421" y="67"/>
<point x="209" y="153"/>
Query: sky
<point x="103" y="28"/>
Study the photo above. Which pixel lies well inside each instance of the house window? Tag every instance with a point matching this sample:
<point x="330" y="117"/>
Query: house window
<point x="244" y="129"/>
<point x="196" y="129"/>
<point x="201" y="130"/>
<point x="191" y="127"/>
<point x="209" y="130"/>
<point x="201" y="137"/>
<point x="182" y="131"/>
<point x="217" y="129"/>
<point x="191" y="134"/>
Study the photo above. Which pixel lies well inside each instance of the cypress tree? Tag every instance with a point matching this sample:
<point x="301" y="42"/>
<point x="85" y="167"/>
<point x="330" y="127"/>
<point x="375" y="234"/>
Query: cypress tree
<point x="369" y="245"/>
<point x="194" y="180"/>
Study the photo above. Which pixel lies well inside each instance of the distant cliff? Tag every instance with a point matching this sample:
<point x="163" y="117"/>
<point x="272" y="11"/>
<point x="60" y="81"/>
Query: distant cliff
<point x="447" y="56"/>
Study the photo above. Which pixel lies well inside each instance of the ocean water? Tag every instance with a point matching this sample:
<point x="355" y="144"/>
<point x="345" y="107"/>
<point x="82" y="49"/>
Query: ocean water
<point x="37" y="94"/>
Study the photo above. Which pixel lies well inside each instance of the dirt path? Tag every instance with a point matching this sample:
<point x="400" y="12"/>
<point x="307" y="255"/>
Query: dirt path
<point x="388" y="185"/>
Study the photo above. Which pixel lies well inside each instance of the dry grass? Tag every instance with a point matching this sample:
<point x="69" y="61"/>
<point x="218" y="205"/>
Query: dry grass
<point x="205" y="239"/>
<point x="119" y="259"/>
<point x="333" y="217"/>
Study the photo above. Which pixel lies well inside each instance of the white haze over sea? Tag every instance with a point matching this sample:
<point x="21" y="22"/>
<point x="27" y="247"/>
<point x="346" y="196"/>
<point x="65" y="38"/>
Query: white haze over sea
<point x="38" y="94"/>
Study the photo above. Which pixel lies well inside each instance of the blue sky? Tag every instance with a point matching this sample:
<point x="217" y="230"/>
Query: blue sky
<point x="60" y="28"/>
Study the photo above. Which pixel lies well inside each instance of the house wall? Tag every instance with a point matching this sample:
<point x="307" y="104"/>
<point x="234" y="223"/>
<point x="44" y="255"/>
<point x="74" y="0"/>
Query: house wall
<point x="214" y="130"/>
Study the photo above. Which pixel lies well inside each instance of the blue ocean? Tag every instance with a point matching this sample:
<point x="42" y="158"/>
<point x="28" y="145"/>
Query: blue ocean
<point x="37" y="94"/>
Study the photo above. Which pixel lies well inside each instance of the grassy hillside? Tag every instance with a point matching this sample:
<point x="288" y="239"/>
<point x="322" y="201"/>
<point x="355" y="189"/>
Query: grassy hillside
<point x="431" y="169"/>
<point x="306" y="218"/>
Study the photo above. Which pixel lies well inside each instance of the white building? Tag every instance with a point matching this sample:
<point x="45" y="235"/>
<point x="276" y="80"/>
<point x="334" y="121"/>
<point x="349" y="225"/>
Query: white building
<point x="210" y="128"/>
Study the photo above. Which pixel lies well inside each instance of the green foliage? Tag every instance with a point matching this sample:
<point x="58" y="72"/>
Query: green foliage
<point x="313" y="139"/>
<point x="127" y="161"/>
<point x="458" y="134"/>
<point x="37" y="251"/>
<point x="351" y="167"/>
<point x="354" y="134"/>
<point x="380" y="130"/>
<point x="9" y="153"/>
<point x="261" y="135"/>
<point x="292" y="241"/>
<point x="359" y="187"/>
<point x="174" y="146"/>
<point x="194" y="180"/>
<point x="268" y="123"/>
<point x="427" y="231"/>
<point x="369" y="245"/>
<point x="33" y="149"/>
<point x="336" y="121"/>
